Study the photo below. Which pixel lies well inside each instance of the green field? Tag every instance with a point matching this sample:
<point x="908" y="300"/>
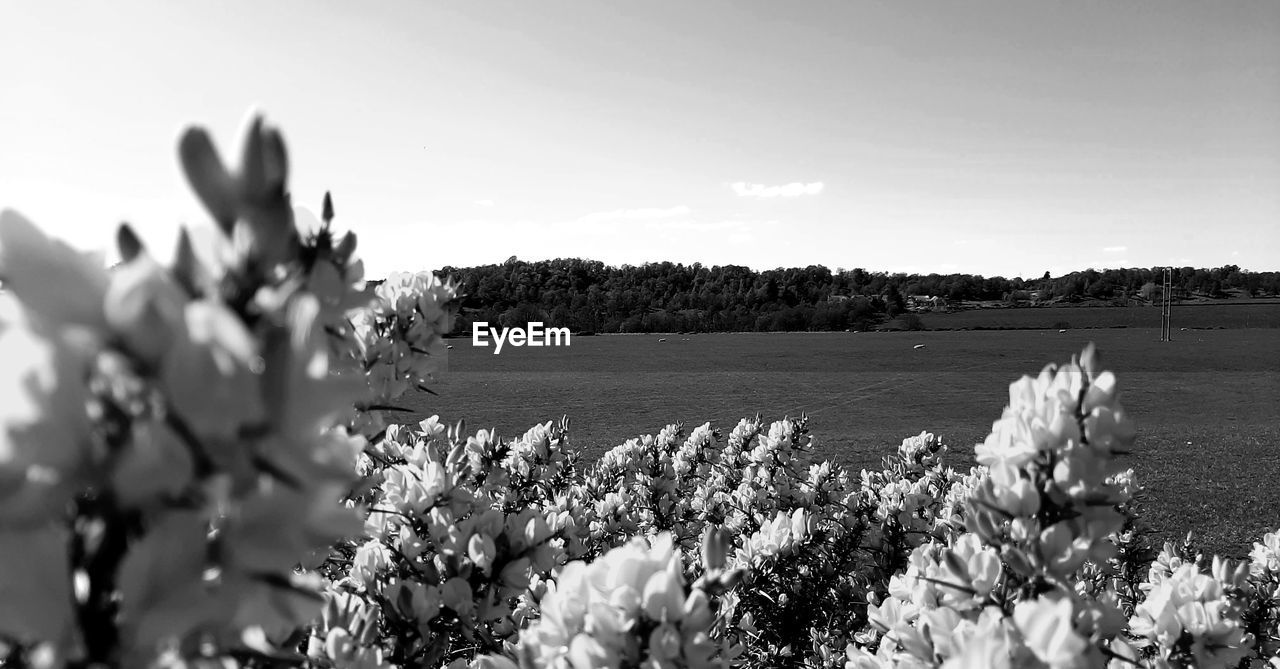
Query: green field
<point x="1207" y="404"/>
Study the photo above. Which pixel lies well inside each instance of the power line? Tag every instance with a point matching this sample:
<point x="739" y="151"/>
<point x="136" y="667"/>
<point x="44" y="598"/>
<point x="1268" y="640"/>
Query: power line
<point x="1166" y="305"/>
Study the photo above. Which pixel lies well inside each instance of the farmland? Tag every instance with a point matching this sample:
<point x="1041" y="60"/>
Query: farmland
<point x="1222" y="314"/>
<point x="1205" y="403"/>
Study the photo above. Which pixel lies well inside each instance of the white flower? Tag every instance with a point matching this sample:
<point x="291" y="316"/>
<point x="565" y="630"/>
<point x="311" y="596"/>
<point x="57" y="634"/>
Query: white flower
<point x="1048" y="631"/>
<point x="1186" y="601"/>
<point x="592" y="617"/>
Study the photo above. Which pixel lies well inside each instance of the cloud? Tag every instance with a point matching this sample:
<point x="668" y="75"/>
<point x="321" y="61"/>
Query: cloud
<point x="482" y="203"/>
<point x="732" y="224"/>
<point x="794" y="189"/>
<point x="1114" y="249"/>
<point x="1111" y="262"/>
<point x="643" y="214"/>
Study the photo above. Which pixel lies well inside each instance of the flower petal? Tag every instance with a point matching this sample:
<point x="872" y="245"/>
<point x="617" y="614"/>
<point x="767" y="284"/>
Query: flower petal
<point x="60" y="285"/>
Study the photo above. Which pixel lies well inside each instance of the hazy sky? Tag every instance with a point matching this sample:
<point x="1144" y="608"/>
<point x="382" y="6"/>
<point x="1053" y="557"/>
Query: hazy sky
<point x="997" y="138"/>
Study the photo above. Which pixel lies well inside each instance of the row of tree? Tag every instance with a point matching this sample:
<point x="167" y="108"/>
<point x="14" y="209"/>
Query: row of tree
<point x="587" y="295"/>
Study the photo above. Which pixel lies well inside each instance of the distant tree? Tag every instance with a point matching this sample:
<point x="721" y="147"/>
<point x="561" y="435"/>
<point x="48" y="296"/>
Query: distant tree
<point x="1252" y="283"/>
<point x="894" y="302"/>
<point x="1017" y="297"/>
<point x="522" y="315"/>
<point x="1099" y="289"/>
<point x="563" y="317"/>
<point x="589" y="295"/>
<point x="631" y="324"/>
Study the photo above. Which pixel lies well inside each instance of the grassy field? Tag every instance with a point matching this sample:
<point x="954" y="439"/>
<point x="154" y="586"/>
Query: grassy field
<point x="1211" y="315"/>
<point x="1206" y="404"/>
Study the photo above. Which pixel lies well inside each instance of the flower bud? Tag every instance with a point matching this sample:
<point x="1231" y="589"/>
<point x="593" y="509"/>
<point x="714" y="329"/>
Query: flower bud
<point x="663" y="597"/>
<point x="715" y="548"/>
<point x="208" y="177"/>
<point x="697" y="611"/>
<point x="481" y="550"/>
<point x="367" y="626"/>
<point x="984" y="571"/>
<point x="798" y="525"/>
<point x="264" y="163"/>
<point x="1017" y="561"/>
<point x="331" y="612"/>
<point x="1090" y="360"/>
<point x="1020" y="529"/>
<point x="326" y="211"/>
<point x="956" y="565"/>
<point x="980" y="522"/>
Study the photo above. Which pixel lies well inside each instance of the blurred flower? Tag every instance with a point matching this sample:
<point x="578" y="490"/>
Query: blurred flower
<point x="1047" y="627"/>
<point x="59" y="286"/>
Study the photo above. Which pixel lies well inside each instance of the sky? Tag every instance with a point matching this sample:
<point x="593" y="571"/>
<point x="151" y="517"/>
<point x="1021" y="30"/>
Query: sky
<point x="998" y="138"/>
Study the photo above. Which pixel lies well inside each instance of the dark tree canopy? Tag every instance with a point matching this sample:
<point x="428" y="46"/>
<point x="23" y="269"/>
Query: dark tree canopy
<point x="587" y="295"/>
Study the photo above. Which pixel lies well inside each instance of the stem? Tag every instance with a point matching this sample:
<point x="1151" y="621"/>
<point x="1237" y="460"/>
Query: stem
<point x="201" y="463"/>
<point x="97" y="614"/>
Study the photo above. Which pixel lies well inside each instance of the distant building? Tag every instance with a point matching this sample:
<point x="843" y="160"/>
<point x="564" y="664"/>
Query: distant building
<point x="926" y="303"/>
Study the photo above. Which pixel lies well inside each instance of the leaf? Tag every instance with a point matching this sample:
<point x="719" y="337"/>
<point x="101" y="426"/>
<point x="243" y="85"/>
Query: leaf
<point x="161" y="583"/>
<point x="35" y="585"/>
<point x="154" y="461"/>
<point x="208" y="375"/>
<point x="276" y="530"/>
<point x="277" y="603"/>
<point x="301" y="395"/>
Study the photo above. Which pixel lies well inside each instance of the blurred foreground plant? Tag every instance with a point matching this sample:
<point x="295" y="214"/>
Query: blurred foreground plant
<point x="176" y="440"/>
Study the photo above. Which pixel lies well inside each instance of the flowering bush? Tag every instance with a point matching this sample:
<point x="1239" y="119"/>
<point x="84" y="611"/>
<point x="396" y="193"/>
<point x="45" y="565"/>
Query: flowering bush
<point x="178" y="440"/>
<point x="198" y="467"/>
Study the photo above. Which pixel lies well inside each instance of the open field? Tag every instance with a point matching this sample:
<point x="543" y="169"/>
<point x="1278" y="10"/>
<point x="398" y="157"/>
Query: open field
<point x="1206" y="404"/>
<point x="1210" y="315"/>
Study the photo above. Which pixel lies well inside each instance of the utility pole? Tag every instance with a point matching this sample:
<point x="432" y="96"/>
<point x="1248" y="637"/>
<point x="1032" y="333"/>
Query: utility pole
<point x="1166" y="305"/>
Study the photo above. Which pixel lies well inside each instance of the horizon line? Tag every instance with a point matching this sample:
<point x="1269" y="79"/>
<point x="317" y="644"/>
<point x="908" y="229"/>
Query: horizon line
<point x="845" y="269"/>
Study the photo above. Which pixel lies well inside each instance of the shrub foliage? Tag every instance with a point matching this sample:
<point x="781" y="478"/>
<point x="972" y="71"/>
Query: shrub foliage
<point x="198" y="470"/>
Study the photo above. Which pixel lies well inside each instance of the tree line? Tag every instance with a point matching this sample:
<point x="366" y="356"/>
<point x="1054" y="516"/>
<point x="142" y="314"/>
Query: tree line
<point x="589" y="296"/>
